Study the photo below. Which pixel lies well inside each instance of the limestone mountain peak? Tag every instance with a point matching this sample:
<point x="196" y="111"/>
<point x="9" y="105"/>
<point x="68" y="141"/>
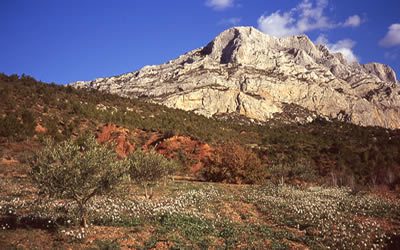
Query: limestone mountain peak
<point x="244" y="71"/>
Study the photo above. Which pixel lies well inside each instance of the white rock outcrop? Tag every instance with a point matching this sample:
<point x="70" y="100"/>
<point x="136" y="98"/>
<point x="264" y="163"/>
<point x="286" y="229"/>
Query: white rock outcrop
<point x="247" y="72"/>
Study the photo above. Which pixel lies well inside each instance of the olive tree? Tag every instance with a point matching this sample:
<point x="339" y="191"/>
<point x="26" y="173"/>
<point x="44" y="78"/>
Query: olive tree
<point x="77" y="170"/>
<point x="147" y="168"/>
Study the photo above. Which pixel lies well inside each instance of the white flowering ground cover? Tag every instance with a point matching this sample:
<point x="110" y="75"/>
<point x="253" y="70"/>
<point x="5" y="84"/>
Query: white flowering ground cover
<point x="203" y="215"/>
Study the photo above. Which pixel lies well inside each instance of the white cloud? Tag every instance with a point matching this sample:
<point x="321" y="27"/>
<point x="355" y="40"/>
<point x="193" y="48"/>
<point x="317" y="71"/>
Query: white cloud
<point x="344" y="46"/>
<point x="392" y="37"/>
<point x="230" y="21"/>
<point x="277" y="25"/>
<point x="322" y="39"/>
<point x="219" y="4"/>
<point x="303" y="18"/>
<point x="307" y="16"/>
<point x="353" y="21"/>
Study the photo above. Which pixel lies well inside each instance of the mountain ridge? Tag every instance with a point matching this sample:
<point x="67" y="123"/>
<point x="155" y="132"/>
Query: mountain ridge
<point x="247" y="72"/>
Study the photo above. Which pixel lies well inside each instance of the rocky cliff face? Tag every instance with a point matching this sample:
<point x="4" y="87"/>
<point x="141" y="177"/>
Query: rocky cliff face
<point x="244" y="71"/>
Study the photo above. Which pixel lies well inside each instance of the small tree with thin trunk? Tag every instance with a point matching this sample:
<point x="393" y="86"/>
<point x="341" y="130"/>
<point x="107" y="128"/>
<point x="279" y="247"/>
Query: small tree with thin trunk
<point x="77" y="170"/>
<point x="148" y="168"/>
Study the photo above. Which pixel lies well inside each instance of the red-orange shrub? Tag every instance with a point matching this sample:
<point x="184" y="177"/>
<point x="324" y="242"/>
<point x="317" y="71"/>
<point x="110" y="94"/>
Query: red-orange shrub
<point x="233" y="163"/>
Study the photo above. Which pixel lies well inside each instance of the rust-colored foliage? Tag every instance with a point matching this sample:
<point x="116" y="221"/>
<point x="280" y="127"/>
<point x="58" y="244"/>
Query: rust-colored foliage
<point x="233" y="163"/>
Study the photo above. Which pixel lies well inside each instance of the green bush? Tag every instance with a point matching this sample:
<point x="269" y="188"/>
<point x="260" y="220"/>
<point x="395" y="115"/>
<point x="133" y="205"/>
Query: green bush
<point x="77" y="171"/>
<point x="28" y="122"/>
<point x="149" y="168"/>
<point x="234" y="163"/>
<point x="9" y="125"/>
<point x="107" y="244"/>
<point x="17" y="125"/>
<point x="298" y="170"/>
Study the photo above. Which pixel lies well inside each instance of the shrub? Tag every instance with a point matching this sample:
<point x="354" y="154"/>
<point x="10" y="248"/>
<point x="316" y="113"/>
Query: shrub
<point x="77" y="171"/>
<point x="234" y="164"/>
<point x="9" y="125"/>
<point x="52" y="125"/>
<point x="107" y="244"/>
<point x="149" y="168"/>
<point x="18" y="125"/>
<point x="298" y="170"/>
<point x="28" y="121"/>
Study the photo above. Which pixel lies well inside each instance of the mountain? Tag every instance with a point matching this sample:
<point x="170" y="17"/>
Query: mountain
<point x="244" y="71"/>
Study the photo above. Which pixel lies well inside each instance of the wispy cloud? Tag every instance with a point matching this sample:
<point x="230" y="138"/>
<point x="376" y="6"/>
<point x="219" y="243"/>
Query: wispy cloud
<point x="230" y="21"/>
<point x="392" y="37"/>
<point x="353" y="21"/>
<point x="219" y="4"/>
<point x="391" y="55"/>
<point x="307" y="16"/>
<point x="344" y="46"/>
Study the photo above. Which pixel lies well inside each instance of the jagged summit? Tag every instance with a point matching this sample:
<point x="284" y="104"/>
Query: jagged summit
<point x="244" y="71"/>
<point x="242" y="45"/>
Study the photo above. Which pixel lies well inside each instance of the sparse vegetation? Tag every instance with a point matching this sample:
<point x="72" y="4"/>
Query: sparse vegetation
<point x="333" y="217"/>
<point x="184" y="215"/>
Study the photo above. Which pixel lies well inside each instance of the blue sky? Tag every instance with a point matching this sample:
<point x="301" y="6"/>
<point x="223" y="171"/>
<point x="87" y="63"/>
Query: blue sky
<point x="64" y="41"/>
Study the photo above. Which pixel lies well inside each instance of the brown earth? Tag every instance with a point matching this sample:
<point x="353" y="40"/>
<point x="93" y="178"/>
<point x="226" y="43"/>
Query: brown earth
<point x="196" y="152"/>
<point x="117" y="135"/>
<point x="191" y="152"/>
<point x="39" y="129"/>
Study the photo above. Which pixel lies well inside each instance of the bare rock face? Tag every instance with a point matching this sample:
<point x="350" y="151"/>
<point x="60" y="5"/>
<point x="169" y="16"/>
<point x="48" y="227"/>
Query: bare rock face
<point x="382" y="71"/>
<point x="247" y="72"/>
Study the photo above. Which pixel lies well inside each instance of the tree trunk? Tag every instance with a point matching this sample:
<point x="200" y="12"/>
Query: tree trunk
<point x="151" y="193"/>
<point x="145" y="191"/>
<point x="165" y="181"/>
<point x="83" y="215"/>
